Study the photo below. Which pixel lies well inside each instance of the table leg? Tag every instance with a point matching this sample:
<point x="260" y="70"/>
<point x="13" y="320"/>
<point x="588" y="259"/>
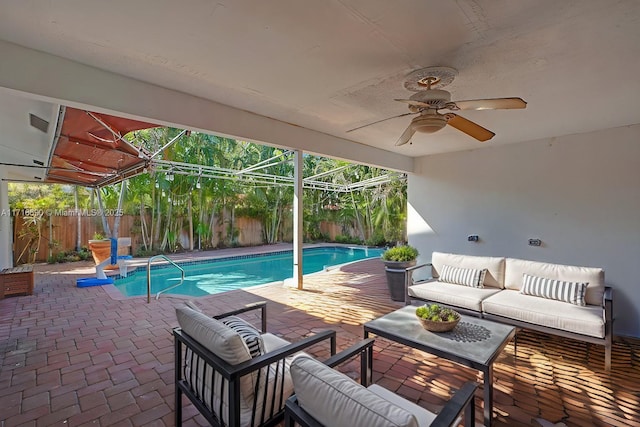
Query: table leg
<point x="488" y="395"/>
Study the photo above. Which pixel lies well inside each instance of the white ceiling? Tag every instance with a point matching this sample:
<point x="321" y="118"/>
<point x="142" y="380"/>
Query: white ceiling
<point x="331" y="66"/>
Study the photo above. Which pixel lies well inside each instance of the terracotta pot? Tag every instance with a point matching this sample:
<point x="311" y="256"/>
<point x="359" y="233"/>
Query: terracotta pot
<point x="101" y="250"/>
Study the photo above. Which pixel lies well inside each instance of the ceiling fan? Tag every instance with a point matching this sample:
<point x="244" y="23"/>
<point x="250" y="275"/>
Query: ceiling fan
<point x="427" y="101"/>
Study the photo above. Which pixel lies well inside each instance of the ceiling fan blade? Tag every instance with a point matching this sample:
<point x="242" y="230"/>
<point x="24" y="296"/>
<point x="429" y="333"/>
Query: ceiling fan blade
<point x="470" y="128"/>
<point x="419" y="104"/>
<point x="491" y="104"/>
<point x="380" y="121"/>
<point x="406" y="135"/>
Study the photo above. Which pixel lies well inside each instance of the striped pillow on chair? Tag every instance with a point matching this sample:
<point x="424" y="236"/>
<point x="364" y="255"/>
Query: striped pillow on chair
<point x="560" y="290"/>
<point x="250" y="335"/>
<point x="471" y="277"/>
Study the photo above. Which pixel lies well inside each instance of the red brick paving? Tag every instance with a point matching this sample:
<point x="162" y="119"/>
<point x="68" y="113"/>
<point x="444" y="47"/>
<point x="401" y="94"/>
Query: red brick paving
<point x="87" y="356"/>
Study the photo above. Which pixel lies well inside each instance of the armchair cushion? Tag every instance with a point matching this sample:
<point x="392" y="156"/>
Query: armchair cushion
<point x="214" y="335"/>
<point x="334" y="399"/>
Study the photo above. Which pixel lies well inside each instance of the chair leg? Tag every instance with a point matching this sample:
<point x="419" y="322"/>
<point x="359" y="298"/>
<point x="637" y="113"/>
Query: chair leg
<point x="178" y="411"/>
<point x="607" y="356"/>
<point x="470" y="414"/>
<point x="288" y="420"/>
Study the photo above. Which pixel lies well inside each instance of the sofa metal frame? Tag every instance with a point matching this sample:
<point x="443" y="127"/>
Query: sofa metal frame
<point x="233" y="373"/>
<point x="607" y="305"/>
<point x="463" y="401"/>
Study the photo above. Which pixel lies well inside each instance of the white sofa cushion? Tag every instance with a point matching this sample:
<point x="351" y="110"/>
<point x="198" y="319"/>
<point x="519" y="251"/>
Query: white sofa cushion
<point x="515" y="268"/>
<point x="336" y="400"/>
<point x="546" y="312"/>
<point x="560" y="290"/>
<point x="494" y="265"/>
<point x="450" y="294"/>
<point x="473" y="277"/>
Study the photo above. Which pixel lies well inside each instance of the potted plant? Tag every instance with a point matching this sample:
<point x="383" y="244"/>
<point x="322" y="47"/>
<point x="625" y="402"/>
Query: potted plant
<point x="396" y="261"/>
<point x="100" y="247"/>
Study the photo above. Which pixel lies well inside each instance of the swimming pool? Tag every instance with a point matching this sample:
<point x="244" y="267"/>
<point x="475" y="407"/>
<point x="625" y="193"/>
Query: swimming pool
<point x="206" y="277"/>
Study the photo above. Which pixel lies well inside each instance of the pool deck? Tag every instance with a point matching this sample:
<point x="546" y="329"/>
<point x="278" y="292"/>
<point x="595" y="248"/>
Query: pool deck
<point x="78" y="356"/>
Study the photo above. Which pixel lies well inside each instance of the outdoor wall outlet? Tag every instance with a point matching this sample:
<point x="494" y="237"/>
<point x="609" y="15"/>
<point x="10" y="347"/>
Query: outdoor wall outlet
<point x="535" y="242"/>
<point x="473" y="238"/>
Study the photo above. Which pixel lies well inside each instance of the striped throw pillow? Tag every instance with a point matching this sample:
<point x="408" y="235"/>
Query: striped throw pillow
<point x="463" y="276"/>
<point x="250" y="335"/>
<point x="560" y="290"/>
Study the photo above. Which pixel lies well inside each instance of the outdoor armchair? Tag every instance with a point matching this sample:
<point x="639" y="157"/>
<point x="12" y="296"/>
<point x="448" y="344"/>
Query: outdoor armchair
<point x="234" y="374"/>
<point x="326" y="397"/>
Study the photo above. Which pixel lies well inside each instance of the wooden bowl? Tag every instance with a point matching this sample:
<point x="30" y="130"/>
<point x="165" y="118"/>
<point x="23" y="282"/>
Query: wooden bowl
<point x="432" y="326"/>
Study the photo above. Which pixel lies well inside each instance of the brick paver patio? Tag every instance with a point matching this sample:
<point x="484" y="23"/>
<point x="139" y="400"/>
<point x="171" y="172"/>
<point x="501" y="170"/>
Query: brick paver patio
<point x="78" y="356"/>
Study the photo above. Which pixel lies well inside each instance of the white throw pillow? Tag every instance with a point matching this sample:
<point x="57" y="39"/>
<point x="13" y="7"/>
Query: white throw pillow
<point x="571" y="292"/>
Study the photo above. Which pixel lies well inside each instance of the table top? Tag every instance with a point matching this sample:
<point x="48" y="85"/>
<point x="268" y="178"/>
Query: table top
<point x="25" y="268"/>
<point x="473" y="341"/>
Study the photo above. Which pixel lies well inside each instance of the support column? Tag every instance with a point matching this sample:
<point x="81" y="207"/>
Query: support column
<point x="297" y="218"/>
<point x="6" y="232"/>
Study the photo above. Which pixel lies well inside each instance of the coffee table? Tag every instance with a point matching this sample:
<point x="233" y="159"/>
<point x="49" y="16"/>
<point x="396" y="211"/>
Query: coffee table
<point x="474" y="342"/>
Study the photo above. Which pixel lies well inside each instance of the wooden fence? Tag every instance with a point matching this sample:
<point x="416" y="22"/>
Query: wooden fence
<point x="59" y="234"/>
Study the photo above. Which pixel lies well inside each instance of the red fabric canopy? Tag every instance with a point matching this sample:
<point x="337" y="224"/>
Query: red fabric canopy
<point x="91" y="150"/>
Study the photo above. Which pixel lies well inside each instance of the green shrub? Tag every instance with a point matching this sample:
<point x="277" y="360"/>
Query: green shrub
<point x="341" y="238"/>
<point x="376" y="240"/>
<point x="400" y="254"/>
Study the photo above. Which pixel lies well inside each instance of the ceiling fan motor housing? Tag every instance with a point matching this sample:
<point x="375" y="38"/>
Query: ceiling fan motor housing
<point x="435" y="98"/>
<point x="429" y="123"/>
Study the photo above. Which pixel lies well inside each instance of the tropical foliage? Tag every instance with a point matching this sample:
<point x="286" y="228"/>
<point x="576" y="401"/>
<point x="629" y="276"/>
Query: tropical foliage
<point x="190" y="211"/>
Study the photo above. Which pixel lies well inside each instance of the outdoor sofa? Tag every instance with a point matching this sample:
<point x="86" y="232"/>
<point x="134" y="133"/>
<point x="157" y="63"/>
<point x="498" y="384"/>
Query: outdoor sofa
<point x="563" y="300"/>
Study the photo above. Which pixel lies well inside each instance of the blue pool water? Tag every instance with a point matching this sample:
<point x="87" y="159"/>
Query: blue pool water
<point x="207" y="277"/>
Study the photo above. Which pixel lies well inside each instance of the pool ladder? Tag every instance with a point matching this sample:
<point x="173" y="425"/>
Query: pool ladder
<point x="149" y="276"/>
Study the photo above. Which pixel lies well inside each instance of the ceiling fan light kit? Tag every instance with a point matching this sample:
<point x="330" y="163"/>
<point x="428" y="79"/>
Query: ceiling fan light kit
<point x="429" y="98"/>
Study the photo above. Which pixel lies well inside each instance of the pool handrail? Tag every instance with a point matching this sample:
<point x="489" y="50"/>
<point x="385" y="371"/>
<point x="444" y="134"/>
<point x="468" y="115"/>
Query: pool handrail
<point x="149" y="276"/>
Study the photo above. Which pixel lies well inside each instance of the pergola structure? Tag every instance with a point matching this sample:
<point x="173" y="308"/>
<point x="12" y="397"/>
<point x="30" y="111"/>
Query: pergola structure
<point x="90" y="149"/>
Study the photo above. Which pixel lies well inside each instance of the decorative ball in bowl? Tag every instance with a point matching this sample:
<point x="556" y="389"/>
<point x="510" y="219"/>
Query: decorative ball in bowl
<point x="435" y="318"/>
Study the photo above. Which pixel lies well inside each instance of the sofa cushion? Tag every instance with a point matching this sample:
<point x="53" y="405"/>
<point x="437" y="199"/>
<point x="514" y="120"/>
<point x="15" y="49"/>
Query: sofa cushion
<point x="251" y="336"/>
<point x="515" y="268"/>
<point x="495" y="266"/>
<point x="546" y="312"/>
<point x="334" y="399"/>
<point x="473" y="277"/>
<point x="571" y="292"/>
<point x="456" y="295"/>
